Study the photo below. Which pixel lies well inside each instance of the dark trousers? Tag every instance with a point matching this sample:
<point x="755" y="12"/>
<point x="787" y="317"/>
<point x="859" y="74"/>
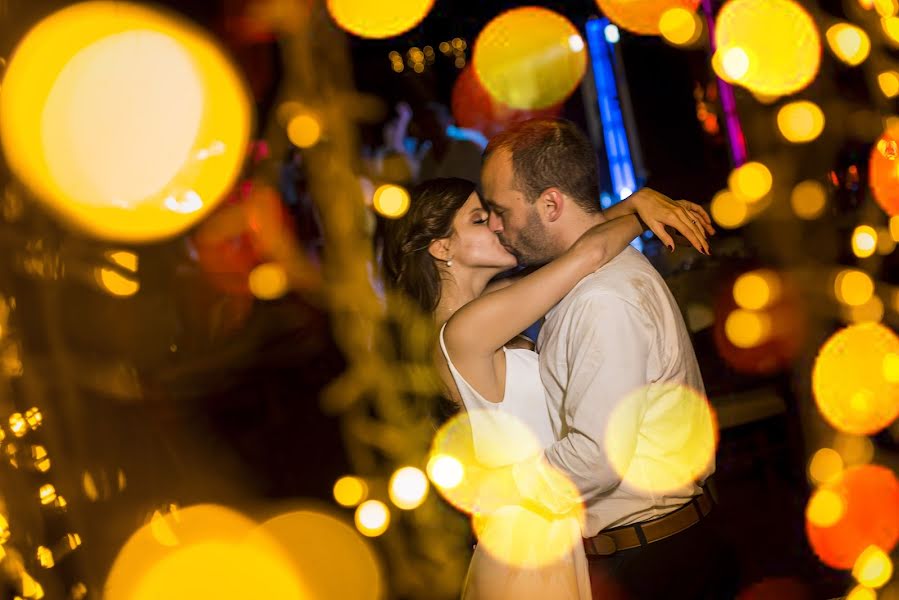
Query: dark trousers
<point x="693" y="564"/>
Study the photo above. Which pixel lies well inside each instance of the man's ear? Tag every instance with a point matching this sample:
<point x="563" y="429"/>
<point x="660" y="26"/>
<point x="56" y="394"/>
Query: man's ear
<point x="440" y="249"/>
<point x="552" y="203"/>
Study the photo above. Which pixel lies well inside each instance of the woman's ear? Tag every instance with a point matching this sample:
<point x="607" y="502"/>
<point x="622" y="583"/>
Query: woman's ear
<point x="552" y="203"/>
<point x="440" y="249"/>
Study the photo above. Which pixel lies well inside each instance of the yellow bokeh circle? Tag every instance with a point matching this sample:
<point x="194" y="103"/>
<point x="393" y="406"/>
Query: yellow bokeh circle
<point x="780" y="42"/>
<point x="408" y="488"/>
<point x="848" y="43"/>
<point x="334" y="560"/>
<point x="680" y="26"/>
<point x="525" y="538"/>
<point x="375" y="20"/>
<point x="873" y="568"/>
<point x="128" y="122"/>
<point x="372" y="518"/>
<point x="677" y="440"/>
<point x="268" y="281"/>
<point x="214" y="555"/>
<point x="853" y="287"/>
<point x="825" y="508"/>
<point x="826" y="466"/>
<point x="728" y="210"/>
<point x="808" y="199"/>
<point x="468" y="447"/>
<point x="747" y="328"/>
<point x="801" y="121"/>
<point x="756" y="290"/>
<point x="303" y="130"/>
<point x="849" y="383"/>
<point x="391" y="201"/>
<point x="864" y="241"/>
<point x="350" y="491"/>
<point x="645" y="16"/>
<point x="750" y="182"/>
<point x="530" y="58"/>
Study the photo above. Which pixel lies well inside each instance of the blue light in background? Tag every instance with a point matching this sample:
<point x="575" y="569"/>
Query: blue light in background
<point x="601" y="35"/>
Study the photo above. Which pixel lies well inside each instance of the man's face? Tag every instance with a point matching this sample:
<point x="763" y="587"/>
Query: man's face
<point x="513" y="219"/>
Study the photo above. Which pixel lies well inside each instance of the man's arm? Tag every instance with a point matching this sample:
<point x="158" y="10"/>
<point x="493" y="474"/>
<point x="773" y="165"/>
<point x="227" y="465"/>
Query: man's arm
<point x="607" y="350"/>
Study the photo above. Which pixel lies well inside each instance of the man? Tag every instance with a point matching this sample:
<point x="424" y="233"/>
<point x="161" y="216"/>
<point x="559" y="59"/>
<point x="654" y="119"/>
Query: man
<point x="614" y="351"/>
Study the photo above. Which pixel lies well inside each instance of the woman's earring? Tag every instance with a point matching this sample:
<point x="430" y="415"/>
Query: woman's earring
<point x="449" y="263"/>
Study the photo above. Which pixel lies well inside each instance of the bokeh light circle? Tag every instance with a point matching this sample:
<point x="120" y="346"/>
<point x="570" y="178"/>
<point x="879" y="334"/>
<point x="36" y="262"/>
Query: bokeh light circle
<point x="747" y="328"/>
<point x="851" y="389"/>
<point x="391" y="201"/>
<point x="825" y="508"/>
<point x="408" y="488"/>
<point x="826" y="466"/>
<point x="675" y="447"/>
<point x="350" y="491"/>
<point x="864" y="241"/>
<point x="780" y="41"/>
<point x="372" y="518"/>
<point x="758" y="289"/>
<point x="517" y="536"/>
<point x="334" y="560"/>
<point x="873" y="568"/>
<point x="215" y="556"/>
<point x="808" y="199"/>
<point x="801" y="121"/>
<point x="728" y="210"/>
<point x="467" y="447"/>
<point x="750" y="182"/>
<point x="883" y="171"/>
<point x="374" y="20"/>
<point x="870" y="495"/>
<point x="853" y="287"/>
<point x="89" y="123"/>
<point x="526" y="58"/>
<point x="848" y="43"/>
<point x="680" y="26"/>
<point x="474" y="108"/>
<point x="642" y="17"/>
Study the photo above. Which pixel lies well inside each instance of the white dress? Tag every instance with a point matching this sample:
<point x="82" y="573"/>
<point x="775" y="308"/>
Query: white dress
<point x="511" y="560"/>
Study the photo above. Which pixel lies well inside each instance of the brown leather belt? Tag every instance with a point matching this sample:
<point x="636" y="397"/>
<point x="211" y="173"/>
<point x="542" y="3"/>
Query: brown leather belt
<point x="610" y="541"/>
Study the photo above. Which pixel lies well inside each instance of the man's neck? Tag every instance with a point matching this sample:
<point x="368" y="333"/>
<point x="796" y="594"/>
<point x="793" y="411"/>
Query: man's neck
<point x="572" y="231"/>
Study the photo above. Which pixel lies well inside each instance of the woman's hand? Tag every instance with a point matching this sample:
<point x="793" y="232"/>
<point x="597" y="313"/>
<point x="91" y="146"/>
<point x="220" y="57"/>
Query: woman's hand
<point x="658" y="211"/>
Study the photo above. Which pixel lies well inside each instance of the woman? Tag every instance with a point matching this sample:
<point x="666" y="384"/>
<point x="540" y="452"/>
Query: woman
<point x="443" y="255"/>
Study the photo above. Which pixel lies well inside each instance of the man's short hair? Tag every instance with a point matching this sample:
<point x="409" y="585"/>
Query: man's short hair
<point x="550" y="153"/>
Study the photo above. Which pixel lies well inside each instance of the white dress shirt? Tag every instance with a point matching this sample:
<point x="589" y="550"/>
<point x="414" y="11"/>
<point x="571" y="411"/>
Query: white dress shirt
<point x="618" y="335"/>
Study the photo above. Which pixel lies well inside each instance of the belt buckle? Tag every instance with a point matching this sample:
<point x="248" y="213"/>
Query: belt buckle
<point x="603" y="545"/>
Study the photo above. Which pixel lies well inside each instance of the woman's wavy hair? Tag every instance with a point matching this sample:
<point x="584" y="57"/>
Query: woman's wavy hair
<point x="408" y="266"/>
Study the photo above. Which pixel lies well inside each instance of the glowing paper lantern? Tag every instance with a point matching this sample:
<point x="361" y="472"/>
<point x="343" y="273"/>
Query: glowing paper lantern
<point x="870" y="497"/>
<point x="530" y="58"/>
<point x="127" y="122"/>
<point x="374" y="20"/>
<point x="883" y="171"/>
<point x="643" y="16"/>
<point x="853" y="391"/>
<point x="474" y="108"/>
<point x="779" y="40"/>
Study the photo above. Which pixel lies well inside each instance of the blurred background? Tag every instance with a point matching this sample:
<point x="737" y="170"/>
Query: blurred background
<point x="194" y="338"/>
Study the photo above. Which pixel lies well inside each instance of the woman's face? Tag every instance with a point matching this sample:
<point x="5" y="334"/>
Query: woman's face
<point x="473" y="244"/>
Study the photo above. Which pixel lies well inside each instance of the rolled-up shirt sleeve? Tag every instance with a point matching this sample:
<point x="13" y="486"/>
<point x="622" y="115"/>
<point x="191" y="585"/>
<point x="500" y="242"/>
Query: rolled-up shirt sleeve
<point x="606" y="353"/>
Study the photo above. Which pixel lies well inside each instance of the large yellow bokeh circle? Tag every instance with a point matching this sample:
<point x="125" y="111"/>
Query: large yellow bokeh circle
<point x="370" y="19"/>
<point x="204" y="551"/>
<point x="779" y="39"/>
<point x="530" y="58"/>
<point x="642" y="16"/>
<point x="855" y="380"/>
<point x="129" y="123"/>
